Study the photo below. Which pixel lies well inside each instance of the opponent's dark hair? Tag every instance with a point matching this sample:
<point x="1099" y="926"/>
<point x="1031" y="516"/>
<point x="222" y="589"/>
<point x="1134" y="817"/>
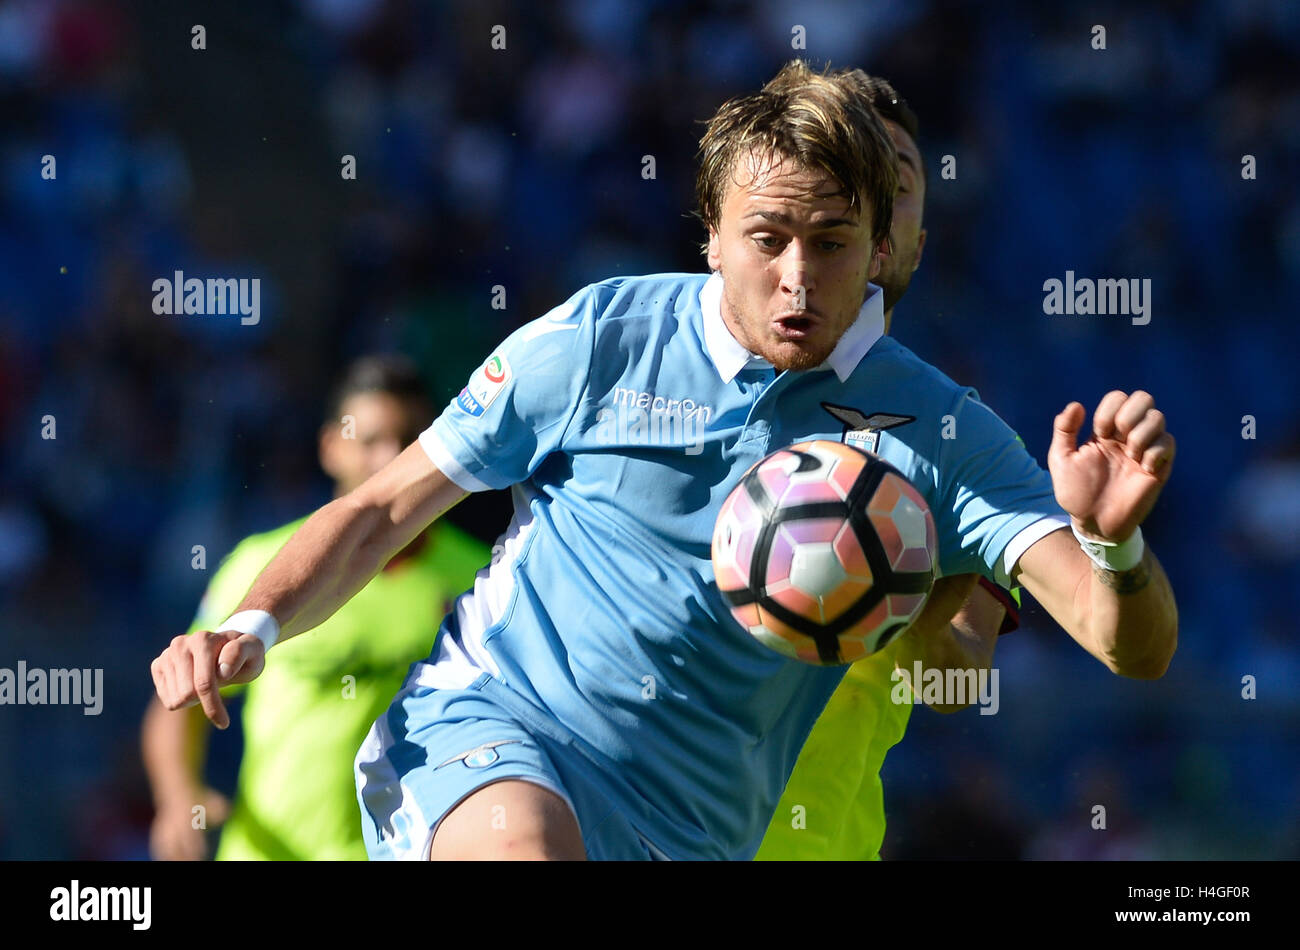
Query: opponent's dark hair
<point x="886" y="100"/>
<point x="891" y="106"/>
<point x="389" y="373"/>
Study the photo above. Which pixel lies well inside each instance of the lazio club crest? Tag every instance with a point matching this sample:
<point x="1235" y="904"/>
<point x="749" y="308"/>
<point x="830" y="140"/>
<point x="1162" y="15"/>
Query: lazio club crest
<point x="862" y="431"/>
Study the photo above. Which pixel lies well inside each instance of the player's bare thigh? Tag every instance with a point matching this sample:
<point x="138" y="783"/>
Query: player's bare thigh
<point x="510" y="820"/>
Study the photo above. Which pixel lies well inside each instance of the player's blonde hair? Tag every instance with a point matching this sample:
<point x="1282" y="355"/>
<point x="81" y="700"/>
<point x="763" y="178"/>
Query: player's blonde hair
<point x="820" y="121"/>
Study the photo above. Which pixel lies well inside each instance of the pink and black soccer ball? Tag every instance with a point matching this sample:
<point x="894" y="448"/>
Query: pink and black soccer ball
<point x="825" y="552"/>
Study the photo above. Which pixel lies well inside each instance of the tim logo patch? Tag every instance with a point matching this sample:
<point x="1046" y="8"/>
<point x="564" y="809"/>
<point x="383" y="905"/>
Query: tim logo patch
<point x="485" y="385"/>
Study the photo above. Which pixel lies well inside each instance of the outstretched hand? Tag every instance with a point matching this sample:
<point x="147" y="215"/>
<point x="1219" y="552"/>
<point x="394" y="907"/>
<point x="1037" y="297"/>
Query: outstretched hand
<point x="1110" y="482"/>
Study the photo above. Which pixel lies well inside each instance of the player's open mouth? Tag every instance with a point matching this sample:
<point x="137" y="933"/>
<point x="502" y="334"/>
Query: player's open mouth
<point x="794" y="327"/>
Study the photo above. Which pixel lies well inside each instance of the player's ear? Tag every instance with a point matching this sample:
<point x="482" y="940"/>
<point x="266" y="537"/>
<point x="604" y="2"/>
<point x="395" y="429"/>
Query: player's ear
<point x="715" y="250"/>
<point x="880" y="251"/>
<point x="920" y="249"/>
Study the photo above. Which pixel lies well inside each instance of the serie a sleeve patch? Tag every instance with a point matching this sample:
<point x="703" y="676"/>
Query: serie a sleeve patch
<point x="485" y="385"/>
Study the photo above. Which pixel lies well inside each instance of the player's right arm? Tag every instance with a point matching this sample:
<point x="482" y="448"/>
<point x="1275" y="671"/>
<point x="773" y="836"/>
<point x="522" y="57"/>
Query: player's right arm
<point x="329" y="559"/>
<point x="513" y="414"/>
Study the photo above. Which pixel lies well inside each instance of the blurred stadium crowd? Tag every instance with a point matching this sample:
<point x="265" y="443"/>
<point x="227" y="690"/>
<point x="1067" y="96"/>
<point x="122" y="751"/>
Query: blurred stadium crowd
<point x="523" y="168"/>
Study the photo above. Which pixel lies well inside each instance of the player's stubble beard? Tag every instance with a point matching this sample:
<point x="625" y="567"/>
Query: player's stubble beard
<point x="791" y="356"/>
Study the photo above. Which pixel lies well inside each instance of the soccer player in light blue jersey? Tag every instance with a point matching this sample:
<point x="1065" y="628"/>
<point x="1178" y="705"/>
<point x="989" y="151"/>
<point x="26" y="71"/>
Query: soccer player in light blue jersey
<point x="591" y="696"/>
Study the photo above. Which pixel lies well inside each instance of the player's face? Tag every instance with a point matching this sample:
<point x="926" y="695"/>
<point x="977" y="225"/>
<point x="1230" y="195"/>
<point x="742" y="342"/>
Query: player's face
<point x="794" y="261"/>
<point x="906" y="234"/>
<point x="381" y="426"/>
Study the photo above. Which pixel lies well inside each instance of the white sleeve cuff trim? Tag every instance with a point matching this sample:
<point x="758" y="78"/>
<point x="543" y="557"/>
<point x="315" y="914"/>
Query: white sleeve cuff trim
<point x="1024" y="540"/>
<point x="447" y="464"/>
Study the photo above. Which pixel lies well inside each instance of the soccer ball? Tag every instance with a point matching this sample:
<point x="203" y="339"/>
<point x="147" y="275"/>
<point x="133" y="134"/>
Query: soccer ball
<point x="825" y="552"/>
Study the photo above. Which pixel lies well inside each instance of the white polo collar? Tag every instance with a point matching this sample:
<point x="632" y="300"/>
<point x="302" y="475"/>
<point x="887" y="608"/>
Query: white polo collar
<point x="729" y="357"/>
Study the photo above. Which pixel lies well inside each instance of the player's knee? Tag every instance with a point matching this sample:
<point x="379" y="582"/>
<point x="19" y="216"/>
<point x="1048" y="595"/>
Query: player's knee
<point x="509" y="821"/>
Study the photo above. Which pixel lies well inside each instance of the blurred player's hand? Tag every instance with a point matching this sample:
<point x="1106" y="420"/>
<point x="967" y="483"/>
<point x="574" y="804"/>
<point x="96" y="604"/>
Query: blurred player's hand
<point x="1109" y="484"/>
<point x="195" y="667"/>
<point x="173" y="835"/>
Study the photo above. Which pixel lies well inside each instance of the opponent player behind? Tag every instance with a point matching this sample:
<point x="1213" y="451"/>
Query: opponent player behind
<point x="303" y="720"/>
<point x="592" y="695"/>
<point x="833" y="805"/>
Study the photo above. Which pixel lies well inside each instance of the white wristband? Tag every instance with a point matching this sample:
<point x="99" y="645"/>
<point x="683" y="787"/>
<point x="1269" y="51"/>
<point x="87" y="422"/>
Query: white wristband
<point x="257" y="622"/>
<point x="1113" y="555"/>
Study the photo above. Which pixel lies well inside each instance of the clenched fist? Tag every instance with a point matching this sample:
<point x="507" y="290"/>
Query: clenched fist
<point x="193" y="668"/>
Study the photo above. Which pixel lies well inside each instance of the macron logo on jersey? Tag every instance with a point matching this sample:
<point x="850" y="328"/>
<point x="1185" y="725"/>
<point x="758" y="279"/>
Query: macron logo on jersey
<point x="485" y="385"/>
<point x="687" y="409"/>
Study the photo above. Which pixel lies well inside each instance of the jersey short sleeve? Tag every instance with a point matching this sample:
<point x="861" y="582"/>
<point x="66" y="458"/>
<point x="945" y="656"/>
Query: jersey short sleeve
<point x="516" y="407"/>
<point x="992" y="489"/>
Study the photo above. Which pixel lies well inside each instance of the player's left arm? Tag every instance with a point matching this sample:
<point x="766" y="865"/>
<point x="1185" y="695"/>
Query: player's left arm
<point x="1108" y="485"/>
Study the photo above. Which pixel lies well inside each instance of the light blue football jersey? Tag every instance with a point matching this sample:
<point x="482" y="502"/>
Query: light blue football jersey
<point x="623" y="418"/>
